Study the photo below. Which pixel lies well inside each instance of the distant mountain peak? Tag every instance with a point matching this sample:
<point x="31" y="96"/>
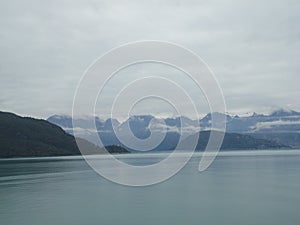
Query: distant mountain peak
<point x="257" y="114"/>
<point x="60" y="116"/>
<point x="216" y="115"/>
<point x="110" y="123"/>
<point x="284" y="112"/>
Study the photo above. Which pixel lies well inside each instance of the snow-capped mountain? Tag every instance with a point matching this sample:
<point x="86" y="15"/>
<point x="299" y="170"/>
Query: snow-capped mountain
<point x="282" y="126"/>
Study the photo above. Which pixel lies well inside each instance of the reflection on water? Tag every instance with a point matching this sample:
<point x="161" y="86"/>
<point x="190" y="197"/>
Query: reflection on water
<point x="239" y="188"/>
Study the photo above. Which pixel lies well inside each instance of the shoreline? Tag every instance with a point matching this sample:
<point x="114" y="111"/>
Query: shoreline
<point x="144" y="154"/>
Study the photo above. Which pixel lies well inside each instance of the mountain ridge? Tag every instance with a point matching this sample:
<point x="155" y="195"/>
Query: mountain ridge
<point x="27" y="137"/>
<point x="30" y="137"/>
<point x="273" y="127"/>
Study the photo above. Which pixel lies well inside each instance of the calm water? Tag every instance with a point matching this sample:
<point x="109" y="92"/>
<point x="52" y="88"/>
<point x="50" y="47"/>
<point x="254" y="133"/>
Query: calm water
<point x="239" y="188"/>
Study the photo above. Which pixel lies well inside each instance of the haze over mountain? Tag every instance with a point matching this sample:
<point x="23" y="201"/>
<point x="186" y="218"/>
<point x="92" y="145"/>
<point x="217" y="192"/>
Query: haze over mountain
<point x="281" y="127"/>
<point x="29" y="137"/>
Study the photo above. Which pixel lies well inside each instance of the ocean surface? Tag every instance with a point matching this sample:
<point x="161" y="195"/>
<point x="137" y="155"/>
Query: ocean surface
<point x="261" y="187"/>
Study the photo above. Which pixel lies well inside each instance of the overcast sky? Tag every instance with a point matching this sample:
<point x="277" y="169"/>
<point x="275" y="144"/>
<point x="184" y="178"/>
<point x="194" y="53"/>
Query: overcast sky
<point x="45" y="46"/>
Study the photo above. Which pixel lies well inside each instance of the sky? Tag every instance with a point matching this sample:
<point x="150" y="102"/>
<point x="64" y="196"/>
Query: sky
<point x="251" y="46"/>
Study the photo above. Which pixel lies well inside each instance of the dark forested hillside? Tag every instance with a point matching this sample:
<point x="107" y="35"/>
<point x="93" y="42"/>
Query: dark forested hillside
<point x="28" y="137"/>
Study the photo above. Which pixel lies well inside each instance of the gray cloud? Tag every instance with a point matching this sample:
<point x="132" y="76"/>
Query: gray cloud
<point x="45" y="46"/>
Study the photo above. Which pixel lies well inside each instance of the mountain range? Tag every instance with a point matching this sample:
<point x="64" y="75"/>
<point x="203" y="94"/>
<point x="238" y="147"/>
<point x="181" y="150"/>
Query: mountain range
<point x="30" y="137"/>
<point x="281" y="127"/>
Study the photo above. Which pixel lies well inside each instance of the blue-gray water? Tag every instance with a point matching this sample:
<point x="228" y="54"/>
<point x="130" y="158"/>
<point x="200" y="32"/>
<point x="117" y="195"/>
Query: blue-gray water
<point x="238" y="188"/>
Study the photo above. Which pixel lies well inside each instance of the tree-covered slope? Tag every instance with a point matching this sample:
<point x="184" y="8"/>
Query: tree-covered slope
<point x="29" y="137"/>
